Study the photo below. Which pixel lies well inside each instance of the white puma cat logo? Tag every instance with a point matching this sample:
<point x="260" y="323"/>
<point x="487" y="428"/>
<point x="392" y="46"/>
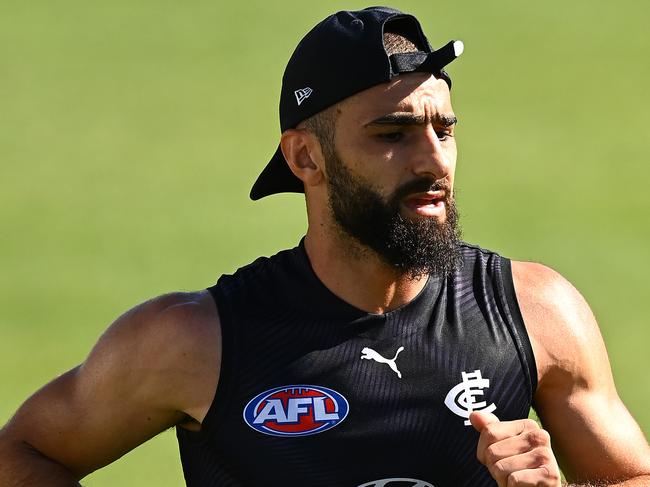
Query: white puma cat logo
<point x="370" y="354"/>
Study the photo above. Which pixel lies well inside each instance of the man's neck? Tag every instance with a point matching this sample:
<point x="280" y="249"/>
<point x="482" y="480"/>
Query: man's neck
<point x="357" y="275"/>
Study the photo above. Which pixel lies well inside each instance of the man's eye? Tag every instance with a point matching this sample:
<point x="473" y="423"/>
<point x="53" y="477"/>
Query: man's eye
<point x="444" y="135"/>
<point x="391" y="136"/>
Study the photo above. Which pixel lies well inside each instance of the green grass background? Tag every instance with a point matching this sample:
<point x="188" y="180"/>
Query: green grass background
<point x="130" y="132"/>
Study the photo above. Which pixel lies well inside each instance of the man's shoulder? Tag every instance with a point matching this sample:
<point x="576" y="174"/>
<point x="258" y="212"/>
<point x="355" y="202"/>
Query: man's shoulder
<point x="172" y="311"/>
<point x="545" y="286"/>
<point x="548" y="294"/>
<point x="163" y="331"/>
<point x="162" y="348"/>
<point x="562" y="327"/>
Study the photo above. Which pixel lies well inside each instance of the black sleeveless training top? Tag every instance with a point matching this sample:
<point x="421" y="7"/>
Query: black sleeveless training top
<point x="315" y="392"/>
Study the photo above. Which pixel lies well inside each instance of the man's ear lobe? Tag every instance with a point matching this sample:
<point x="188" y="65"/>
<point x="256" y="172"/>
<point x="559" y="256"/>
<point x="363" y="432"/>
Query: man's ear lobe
<point x="302" y="151"/>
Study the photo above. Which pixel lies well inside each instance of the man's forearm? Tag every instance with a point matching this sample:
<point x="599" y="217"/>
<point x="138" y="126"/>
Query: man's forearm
<point x="23" y="466"/>
<point x="643" y="481"/>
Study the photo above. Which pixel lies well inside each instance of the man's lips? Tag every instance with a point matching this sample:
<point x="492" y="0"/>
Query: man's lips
<point x="430" y="203"/>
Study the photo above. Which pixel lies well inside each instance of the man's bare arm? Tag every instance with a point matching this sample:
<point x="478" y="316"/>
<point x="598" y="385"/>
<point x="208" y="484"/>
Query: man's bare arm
<point x="594" y="436"/>
<point x="642" y="481"/>
<point x="155" y="367"/>
<point x="22" y="465"/>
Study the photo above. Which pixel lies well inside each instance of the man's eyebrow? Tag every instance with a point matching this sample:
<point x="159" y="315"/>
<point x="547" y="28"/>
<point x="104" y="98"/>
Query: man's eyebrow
<point x="406" y="118"/>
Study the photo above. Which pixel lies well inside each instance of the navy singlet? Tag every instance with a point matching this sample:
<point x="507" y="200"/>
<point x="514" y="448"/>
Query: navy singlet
<point x="315" y="392"/>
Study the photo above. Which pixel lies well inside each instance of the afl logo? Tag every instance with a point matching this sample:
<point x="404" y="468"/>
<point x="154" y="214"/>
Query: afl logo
<point x="298" y="410"/>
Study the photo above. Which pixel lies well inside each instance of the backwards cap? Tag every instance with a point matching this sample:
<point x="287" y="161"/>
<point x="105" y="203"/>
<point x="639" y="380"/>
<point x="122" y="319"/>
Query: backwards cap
<point x="343" y="55"/>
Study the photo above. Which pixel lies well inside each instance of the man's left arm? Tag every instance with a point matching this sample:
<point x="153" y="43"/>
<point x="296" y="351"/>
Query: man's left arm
<point x="594" y="437"/>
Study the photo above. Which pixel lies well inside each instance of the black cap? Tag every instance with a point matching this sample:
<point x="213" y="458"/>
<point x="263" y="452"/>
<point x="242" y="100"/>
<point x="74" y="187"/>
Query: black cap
<point x="341" y="56"/>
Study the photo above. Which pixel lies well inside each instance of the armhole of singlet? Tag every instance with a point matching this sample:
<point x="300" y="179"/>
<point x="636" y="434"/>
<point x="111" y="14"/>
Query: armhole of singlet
<point x="218" y="406"/>
<point x="520" y="333"/>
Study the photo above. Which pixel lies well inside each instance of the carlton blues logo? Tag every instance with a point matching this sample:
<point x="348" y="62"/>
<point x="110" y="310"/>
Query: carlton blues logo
<point x="298" y="410"/>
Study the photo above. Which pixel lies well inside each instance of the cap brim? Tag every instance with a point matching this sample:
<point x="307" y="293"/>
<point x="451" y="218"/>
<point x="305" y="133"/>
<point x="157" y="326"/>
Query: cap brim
<point x="276" y="178"/>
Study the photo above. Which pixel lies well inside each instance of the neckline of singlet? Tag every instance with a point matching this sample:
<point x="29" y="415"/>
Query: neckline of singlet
<point x="316" y="296"/>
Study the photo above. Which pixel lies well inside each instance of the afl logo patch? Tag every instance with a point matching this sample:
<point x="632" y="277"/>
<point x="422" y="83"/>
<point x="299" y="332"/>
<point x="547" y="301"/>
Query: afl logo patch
<point x="298" y="410"/>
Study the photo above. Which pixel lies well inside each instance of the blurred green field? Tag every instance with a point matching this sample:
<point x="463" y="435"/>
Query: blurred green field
<point x="130" y="133"/>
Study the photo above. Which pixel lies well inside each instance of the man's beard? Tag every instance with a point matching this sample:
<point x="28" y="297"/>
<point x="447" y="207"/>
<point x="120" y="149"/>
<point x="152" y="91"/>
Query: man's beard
<point x="416" y="247"/>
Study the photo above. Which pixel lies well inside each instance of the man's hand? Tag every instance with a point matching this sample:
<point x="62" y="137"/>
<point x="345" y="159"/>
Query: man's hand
<point x="516" y="453"/>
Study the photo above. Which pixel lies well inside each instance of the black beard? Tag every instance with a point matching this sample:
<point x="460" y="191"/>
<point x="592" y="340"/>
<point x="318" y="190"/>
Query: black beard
<point x="415" y="247"/>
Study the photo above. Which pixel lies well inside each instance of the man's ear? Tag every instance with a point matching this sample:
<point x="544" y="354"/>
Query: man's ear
<point x="303" y="152"/>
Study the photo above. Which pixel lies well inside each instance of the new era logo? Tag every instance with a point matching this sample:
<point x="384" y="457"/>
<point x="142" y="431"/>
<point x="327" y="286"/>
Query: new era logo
<point x="302" y="94"/>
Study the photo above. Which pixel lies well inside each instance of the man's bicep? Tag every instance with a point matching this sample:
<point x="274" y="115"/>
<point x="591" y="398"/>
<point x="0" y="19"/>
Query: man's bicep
<point x="130" y="388"/>
<point x="593" y="434"/>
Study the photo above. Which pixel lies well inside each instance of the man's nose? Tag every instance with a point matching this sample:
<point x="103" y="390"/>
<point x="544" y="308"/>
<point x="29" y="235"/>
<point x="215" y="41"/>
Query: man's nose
<point x="432" y="158"/>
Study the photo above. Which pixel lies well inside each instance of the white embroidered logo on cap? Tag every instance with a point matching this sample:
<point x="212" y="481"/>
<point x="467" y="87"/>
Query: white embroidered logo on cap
<point x="302" y="94"/>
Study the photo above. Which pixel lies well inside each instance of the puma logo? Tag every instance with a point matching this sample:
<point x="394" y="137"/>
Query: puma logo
<point x="370" y="354"/>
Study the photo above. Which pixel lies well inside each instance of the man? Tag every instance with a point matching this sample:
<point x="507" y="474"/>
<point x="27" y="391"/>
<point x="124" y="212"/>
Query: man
<point x="381" y="351"/>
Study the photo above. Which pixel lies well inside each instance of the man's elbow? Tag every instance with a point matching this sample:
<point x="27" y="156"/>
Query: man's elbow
<point x="22" y="465"/>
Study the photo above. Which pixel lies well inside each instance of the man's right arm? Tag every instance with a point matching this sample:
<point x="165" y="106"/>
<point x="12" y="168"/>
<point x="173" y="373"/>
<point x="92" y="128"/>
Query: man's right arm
<point x="155" y="367"/>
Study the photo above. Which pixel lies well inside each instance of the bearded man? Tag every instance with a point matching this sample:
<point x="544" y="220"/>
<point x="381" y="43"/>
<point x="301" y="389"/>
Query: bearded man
<point x="382" y="350"/>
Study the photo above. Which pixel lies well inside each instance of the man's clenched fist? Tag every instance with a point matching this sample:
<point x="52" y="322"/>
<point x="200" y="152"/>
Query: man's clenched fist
<point x="517" y="453"/>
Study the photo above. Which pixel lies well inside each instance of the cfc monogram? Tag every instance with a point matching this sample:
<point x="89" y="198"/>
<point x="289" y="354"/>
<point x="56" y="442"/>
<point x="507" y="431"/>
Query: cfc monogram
<point x="461" y="399"/>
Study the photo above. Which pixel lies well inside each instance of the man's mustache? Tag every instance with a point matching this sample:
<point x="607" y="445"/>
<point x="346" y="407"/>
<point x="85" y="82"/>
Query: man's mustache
<point x="422" y="185"/>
